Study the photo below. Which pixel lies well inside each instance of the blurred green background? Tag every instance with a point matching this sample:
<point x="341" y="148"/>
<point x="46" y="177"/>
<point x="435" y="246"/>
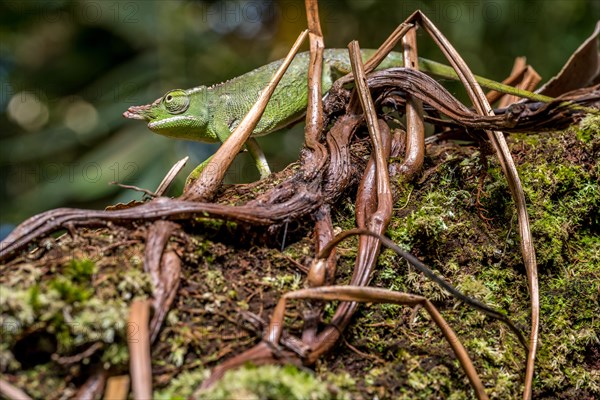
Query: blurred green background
<point x="68" y="70"/>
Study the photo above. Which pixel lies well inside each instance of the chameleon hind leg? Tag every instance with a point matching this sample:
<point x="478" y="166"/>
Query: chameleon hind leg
<point x="259" y="157"/>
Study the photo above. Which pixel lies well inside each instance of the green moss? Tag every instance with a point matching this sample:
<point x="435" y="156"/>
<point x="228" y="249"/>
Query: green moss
<point x="342" y="380"/>
<point x="284" y="282"/>
<point x="215" y="279"/>
<point x="69" y="291"/>
<point x="563" y="198"/>
<point x="183" y="386"/>
<point x="269" y="382"/>
<point x="34" y="297"/>
<point x="80" y="270"/>
<point x="589" y="128"/>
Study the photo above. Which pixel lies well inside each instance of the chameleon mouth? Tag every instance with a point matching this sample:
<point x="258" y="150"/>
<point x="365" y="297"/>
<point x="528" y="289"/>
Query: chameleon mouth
<point x="141" y="112"/>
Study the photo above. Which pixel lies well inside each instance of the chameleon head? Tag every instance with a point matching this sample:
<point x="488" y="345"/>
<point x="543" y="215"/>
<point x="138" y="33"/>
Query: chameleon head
<point x="172" y="115"/>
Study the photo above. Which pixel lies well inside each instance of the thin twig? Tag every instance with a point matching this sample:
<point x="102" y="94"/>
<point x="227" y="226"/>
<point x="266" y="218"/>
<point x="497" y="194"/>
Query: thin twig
<point x="497" y="138"/>
<point x="415" y="127"/>
<point x="316" y="156"/>
<point x="378" y="295"/>
<point x="170" y="176"/>
<point x="12" y="392"/>
<point x="117" y="388"/>
<point x="131" y="187"/>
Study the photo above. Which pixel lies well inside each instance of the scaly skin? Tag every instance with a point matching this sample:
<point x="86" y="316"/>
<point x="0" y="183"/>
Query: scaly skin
<point x="210" y="114"/>
<point x="214" y="111"/>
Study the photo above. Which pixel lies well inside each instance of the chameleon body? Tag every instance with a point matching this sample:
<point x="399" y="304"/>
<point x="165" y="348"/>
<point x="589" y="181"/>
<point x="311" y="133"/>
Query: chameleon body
<point x="211" y="113"/>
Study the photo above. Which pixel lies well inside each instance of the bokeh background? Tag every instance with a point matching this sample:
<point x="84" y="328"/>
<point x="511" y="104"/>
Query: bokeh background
<point x="68" y="70"/>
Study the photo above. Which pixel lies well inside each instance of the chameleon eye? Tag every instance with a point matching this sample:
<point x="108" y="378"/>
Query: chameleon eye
<point x="176" y="101"/>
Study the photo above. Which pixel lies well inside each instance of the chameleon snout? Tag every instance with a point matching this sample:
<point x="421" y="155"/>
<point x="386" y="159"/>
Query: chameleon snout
<point x="141" y="112"/>
<point x="137" y="112"/>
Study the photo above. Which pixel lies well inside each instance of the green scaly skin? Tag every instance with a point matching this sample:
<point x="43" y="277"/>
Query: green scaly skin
<point x="211" y="113"/>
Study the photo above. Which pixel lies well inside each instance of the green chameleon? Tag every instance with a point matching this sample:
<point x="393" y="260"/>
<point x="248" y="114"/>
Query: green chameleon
<point x="211" y="113"/>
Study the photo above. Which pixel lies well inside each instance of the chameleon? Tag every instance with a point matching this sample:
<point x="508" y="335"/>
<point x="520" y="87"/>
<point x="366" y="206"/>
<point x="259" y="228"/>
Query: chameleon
<point x="211" y="113"/>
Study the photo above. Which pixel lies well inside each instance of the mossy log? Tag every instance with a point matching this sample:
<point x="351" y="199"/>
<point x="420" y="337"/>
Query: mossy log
<point x="64" y="312"/>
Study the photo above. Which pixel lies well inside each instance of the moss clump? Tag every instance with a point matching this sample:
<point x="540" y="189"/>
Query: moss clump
<point x="589" y="129"/>
<point x="183" y="385"/>
<point x="269" y="382"/>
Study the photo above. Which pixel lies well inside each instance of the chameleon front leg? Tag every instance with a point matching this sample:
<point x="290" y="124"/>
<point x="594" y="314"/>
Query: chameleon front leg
<point x="259" y="157"/>
<point x="223" y="131"/>
<point x="218" y="131"/>
<point x="253" y="148"/>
